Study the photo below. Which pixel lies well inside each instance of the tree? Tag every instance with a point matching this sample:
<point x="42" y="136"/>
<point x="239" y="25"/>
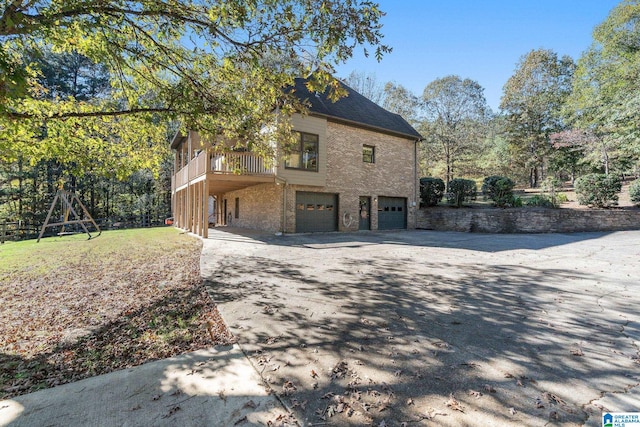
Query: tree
<point x="456" y="115"/>
<point x="568" y="151"/>
<point x="605" y="101"/>
<point x="197" y="63"/>
<point x="400" y="100"/>
<point x="367" y="85"/>
<point x="532" y="103"/>
<point x="495" y="157"/>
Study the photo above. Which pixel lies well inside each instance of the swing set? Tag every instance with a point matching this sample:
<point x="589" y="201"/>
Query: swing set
<point x="66" y="203"/>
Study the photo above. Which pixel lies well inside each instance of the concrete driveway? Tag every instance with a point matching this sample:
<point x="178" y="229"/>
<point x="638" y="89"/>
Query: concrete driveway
<point x="436" y="328"/>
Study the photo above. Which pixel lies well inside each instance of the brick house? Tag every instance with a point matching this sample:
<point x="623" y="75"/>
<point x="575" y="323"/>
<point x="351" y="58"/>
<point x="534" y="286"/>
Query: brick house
<point x="355" y="169"/>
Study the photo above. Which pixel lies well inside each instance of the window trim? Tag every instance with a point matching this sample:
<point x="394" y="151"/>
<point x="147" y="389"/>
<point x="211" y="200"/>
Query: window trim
<point x="300" y="149"/>
<point x="373" y="154"/>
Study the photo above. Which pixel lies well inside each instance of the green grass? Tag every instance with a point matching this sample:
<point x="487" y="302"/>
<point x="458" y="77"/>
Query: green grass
<point x="50" y="253"/>
<point x="74" y="307"/>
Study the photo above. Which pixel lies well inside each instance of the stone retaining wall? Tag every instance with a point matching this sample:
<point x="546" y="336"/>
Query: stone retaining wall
<point x="527" y="220"/>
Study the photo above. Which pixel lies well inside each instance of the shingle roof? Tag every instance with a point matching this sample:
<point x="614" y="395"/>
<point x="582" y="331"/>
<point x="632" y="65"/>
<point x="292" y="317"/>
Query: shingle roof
<point x="355" y="108"/>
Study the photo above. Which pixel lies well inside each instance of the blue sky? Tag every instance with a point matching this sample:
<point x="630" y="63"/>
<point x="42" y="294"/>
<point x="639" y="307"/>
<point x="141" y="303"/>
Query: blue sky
<point x="481" y="40"/>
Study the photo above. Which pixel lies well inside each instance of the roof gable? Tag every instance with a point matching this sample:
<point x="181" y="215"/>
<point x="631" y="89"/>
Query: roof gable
<point x="356" y="109"/>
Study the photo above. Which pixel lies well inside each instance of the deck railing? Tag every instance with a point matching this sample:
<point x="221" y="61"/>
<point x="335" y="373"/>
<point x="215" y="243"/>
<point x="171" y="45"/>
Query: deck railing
<point x="227" y="163"/>
<point x="240" y="164"/>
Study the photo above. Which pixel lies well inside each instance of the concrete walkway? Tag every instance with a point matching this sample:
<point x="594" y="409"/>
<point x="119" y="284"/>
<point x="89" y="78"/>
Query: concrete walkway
<point x="436" y="328"/>
<point x="421" y="328"/>
<point x="215" y="387"/>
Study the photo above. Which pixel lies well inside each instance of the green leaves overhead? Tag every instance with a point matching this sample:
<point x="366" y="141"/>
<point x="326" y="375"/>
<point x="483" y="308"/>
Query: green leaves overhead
<point x="606" y="89"/>
<point x="209" y="65"/>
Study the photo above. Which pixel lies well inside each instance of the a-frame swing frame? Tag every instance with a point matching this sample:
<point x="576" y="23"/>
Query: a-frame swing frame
<point x="66" y="200"/>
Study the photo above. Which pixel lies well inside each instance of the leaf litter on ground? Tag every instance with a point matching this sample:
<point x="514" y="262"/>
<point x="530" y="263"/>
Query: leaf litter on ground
<point x="79" y="308"/>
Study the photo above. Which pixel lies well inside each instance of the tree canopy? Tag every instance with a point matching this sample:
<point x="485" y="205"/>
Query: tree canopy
<point x="456" y="111"/>
<point x="606" y="89"/>
<point x="214" y="66"/>
<point x="532" y="101"/>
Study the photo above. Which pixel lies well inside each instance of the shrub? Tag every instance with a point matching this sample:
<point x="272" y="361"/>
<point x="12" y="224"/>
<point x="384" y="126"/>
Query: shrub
<point x="461" y="190"/>
<point x="561" y="198"/>
<point x="552" y="186"/>
<point x="598" y="190"/>
<point x="499" y="189"/>
<point x="634" y="192"/>
<point x="540" y="201"/>
<point x="431" y="191"/>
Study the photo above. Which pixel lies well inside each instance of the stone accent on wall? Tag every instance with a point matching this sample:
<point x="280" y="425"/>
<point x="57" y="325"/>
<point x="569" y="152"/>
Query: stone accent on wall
<point x="260" y="207"/>
<point x="527" y="220"/>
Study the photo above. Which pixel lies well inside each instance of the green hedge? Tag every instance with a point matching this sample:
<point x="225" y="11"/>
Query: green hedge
<point x="634" y="192"/>
<point x="431" y="191"/>
<point x="598" y="190"/>
<point x="461" y="190"/>
<point x="499" y="189"/>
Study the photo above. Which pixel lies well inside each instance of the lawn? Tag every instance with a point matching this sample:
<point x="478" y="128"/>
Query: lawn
<point x="74" y="308"/>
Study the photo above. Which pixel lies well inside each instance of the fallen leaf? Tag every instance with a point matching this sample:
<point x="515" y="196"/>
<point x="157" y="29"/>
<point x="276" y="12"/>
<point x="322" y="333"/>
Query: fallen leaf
<point x="314" y="374"/>
<point x="552" y="398"/>
<point x="241" y="421"/>
<point x="339" y="370"/>
<point x="250" y="404"/>
<point x="577" y="352"/>
<point x="171" y="412"/>
<point x="454" y="404"/>
<point x="288" y="387"/>
<point x="475" y="394"/>
<point x="331" y="410"/>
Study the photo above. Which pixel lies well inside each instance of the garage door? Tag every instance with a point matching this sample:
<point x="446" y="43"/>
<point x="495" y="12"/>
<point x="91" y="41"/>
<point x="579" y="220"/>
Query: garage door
<point x="316" y="212"/>
<point x="392" y="213"/>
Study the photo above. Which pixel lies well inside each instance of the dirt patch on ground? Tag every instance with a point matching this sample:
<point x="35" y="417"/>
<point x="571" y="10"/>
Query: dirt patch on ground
<point x="74" y="308"/>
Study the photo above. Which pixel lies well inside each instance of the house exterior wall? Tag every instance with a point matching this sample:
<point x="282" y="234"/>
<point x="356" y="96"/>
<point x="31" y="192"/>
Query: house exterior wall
<point x="260" y="207"/>
<point x="316" y="126"/>
<point x="392" y="174"/>
<point x="341" y="170"/>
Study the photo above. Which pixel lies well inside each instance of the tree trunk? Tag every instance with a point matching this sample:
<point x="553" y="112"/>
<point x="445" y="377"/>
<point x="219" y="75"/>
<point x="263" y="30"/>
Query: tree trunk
<point x="20" y="187"/>
<point x="533" y="177"/>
